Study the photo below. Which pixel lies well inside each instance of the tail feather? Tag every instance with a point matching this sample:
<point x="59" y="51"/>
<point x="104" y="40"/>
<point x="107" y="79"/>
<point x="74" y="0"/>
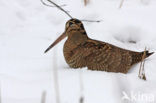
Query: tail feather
<point x="148" y="54"/>
<point x="137" y="56"/>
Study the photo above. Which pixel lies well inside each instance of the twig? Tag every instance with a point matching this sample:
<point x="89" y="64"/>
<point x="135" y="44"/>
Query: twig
<point x="50" y="5"/>
<point x="141" y="69"/>
<point x="43" y="99"/>
<point x="121" y="4"/>
<point x="66" y="12"/>
<point x="59" y="7"/>
<point x="92" y="20"/>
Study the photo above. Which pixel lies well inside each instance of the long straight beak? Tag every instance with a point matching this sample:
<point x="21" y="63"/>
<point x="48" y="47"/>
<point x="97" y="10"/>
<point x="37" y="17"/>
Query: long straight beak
<point x="56" y="41"/>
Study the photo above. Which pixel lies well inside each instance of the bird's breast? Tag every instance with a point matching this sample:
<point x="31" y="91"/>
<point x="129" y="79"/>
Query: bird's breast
<point x="73" y="55"/>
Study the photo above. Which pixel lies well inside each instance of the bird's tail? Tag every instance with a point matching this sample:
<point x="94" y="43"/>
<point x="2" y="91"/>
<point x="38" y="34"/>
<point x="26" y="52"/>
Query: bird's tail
<point x="138" y="56"/>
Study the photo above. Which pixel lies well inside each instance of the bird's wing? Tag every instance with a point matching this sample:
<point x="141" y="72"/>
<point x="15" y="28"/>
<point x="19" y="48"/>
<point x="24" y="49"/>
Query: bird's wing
<point x="104" y="56"/>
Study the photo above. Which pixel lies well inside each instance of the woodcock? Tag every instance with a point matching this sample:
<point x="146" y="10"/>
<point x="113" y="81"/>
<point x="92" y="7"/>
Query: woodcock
<point x="81" y="51"/>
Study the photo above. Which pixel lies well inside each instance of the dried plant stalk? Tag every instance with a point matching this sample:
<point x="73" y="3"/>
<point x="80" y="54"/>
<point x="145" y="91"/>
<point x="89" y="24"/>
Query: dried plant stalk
<point x="50" y="5"/>
<point x="81" y="100"/>
<point x="66" y="12"/>
<point x="121" y="4"/>
<point x="141" y="69"/>
<point x="86" y="2"/>
<point x="43" y="99"/>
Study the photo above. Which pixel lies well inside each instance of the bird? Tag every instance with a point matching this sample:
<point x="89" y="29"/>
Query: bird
<point x="81" y="51"/>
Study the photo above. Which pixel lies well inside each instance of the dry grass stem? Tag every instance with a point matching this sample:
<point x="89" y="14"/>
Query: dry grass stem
<point x="141" y="69"/>
<point x="66" y="12"/>
<point x="81" y="100"/>
<point x="43" y="99"/>
<point x="91" y="20"/>
<point x="56" y="5"/>
<point x="121" y="4"/>
<point x="86" y="2"/>
<point x="50" y="5"/>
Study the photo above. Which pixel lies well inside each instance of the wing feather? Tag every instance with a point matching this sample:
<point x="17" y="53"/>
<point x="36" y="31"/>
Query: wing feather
<point x="106" y="57"/>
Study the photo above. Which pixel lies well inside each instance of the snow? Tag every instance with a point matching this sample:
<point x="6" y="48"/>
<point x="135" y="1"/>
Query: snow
<point x="28" y="28"/>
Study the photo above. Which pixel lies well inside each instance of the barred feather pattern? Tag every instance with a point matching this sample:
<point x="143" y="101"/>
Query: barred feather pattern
<point x="97" y="55"/>
<point x="81" y="51"/>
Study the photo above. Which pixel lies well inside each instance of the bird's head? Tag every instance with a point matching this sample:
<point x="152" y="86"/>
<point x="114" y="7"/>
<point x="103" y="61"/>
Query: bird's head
<point x="72" y="27"/>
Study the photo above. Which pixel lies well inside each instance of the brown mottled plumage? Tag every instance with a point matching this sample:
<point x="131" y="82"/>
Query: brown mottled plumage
<point x="81" y="51"/>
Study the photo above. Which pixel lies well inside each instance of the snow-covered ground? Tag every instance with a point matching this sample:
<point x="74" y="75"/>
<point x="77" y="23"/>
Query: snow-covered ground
<point x="27" y="28"/>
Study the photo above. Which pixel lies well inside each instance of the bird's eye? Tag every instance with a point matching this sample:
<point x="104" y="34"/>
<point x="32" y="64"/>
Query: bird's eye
<point x="70" y="23"/>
